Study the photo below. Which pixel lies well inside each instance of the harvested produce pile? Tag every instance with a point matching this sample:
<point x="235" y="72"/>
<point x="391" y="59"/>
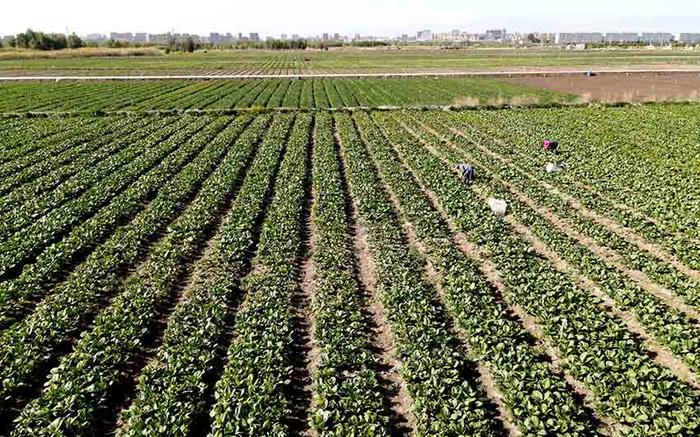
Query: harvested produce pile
<point x="260" y="93"/>
<point x="326" y="273"/>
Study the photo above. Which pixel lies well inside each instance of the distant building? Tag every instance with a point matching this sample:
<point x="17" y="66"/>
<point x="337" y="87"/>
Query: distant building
<point x="283" y="37"/>
<point x="141" y="37"/>
<point x="220" y="38"/>
<point x="496" y="35"/>
<point x="336" y="37"/>
<point x="689" y="38"/>
<point x="325" y="37"/>
<point x="121" y="36"/>
<point x="296" y="36"/>
<point x="254" y="36"/>
<point x="424" y="35"/>
<point x="216" y="38"/>
<point x="621" y="37"/>
<point x="159" y="38"/>
<point x="547" y="38"/>
<point x="96" y="37"/>
<point x="656" y="38"/>
<point x="578" y="37"/>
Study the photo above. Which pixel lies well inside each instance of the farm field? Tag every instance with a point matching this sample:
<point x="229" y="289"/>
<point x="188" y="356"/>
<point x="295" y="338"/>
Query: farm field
<point x="343" y="61"/>
<point x="620" y="87"/>
<point x="318" y="272"/>
<point x="258" y="93"/>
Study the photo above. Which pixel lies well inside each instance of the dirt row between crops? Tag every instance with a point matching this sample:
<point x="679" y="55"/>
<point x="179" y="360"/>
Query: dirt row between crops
<point x="624" y="232"/>
<point x="609" y="256"/>
<point x="490" y="271"/>
<point x="397" y="400"/>
<point x="304" y="351"/>
<point x="659" y="353"/>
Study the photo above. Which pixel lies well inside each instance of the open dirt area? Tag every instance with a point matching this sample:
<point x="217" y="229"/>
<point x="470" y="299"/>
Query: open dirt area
<point x="620" y="87"/>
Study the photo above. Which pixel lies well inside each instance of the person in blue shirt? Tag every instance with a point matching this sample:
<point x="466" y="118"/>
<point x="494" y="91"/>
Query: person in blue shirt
<point x="466" y="172"/>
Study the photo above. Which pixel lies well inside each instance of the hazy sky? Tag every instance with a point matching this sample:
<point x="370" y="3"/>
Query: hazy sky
<point x="273" y="17"/>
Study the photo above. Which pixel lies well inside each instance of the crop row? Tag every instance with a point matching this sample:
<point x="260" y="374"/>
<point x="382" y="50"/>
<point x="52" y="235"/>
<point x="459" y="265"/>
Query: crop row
<point x="36" y="148"/>
<point x="86" y="380"/>
<point x="172" y="387"/>
<point x="17" y="294"/>
<point x="539" y="400"/>
<point x="112" y="150"/>
<point x="37" y="337"/>
<point x="47" y="174"/>
<point x="252" y="394"/>
<point x="669" y="325"/>
<point x="22" y="137"/>
<point x="346" y="386"/>
<point x="109" y="178"/>
<point x="609" y="175"/>
<point x="271" y="93"/>
<point x="640" y="396"/>
<point x="446" y="398"/>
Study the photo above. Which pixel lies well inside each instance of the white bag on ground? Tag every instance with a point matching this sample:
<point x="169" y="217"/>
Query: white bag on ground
<point x="498" y="206"/>
<point x="554" y="168"/>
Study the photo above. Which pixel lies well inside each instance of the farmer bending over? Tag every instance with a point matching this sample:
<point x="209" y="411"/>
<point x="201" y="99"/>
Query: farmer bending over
<point x="466" y="172"/>
<point x="551" y="146"/>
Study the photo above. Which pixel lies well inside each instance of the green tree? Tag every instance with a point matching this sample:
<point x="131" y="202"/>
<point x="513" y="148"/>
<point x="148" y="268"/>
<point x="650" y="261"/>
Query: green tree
<point x="74" y="41"/>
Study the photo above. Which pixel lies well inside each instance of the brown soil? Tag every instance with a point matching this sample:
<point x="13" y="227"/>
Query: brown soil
<point x="490" y="271"/>
<point x="609" y="255"/>
<point x="303" y="351"/>
<point x="620" y="87"/>
<point x="660" y="354"/>
<point x="305" y="323"/>
<point x="435" y="279"/>
<point x="400" y="402"/>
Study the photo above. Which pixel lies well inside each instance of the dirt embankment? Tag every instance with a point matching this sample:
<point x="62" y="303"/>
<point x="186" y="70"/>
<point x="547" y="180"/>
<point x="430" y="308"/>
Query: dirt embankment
<point x="620" y="87"/>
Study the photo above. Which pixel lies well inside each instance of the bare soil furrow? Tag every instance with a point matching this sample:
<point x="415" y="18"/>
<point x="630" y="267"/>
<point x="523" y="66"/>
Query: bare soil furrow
<point x="490" y="271"/>
<point x="659" y="353"/>
<point x="628" y="234"/>
<point x="303" y="352"/>
<point x="608" y="255"/>
<point x="399" y="402"/>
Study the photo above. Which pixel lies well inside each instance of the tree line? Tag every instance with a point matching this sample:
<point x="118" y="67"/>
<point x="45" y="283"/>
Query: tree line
<point x="57" y="41"/>
<point x="45" y="41"/>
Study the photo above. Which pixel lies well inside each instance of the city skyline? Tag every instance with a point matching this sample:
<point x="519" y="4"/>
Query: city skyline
<point x="388" y="17"/>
